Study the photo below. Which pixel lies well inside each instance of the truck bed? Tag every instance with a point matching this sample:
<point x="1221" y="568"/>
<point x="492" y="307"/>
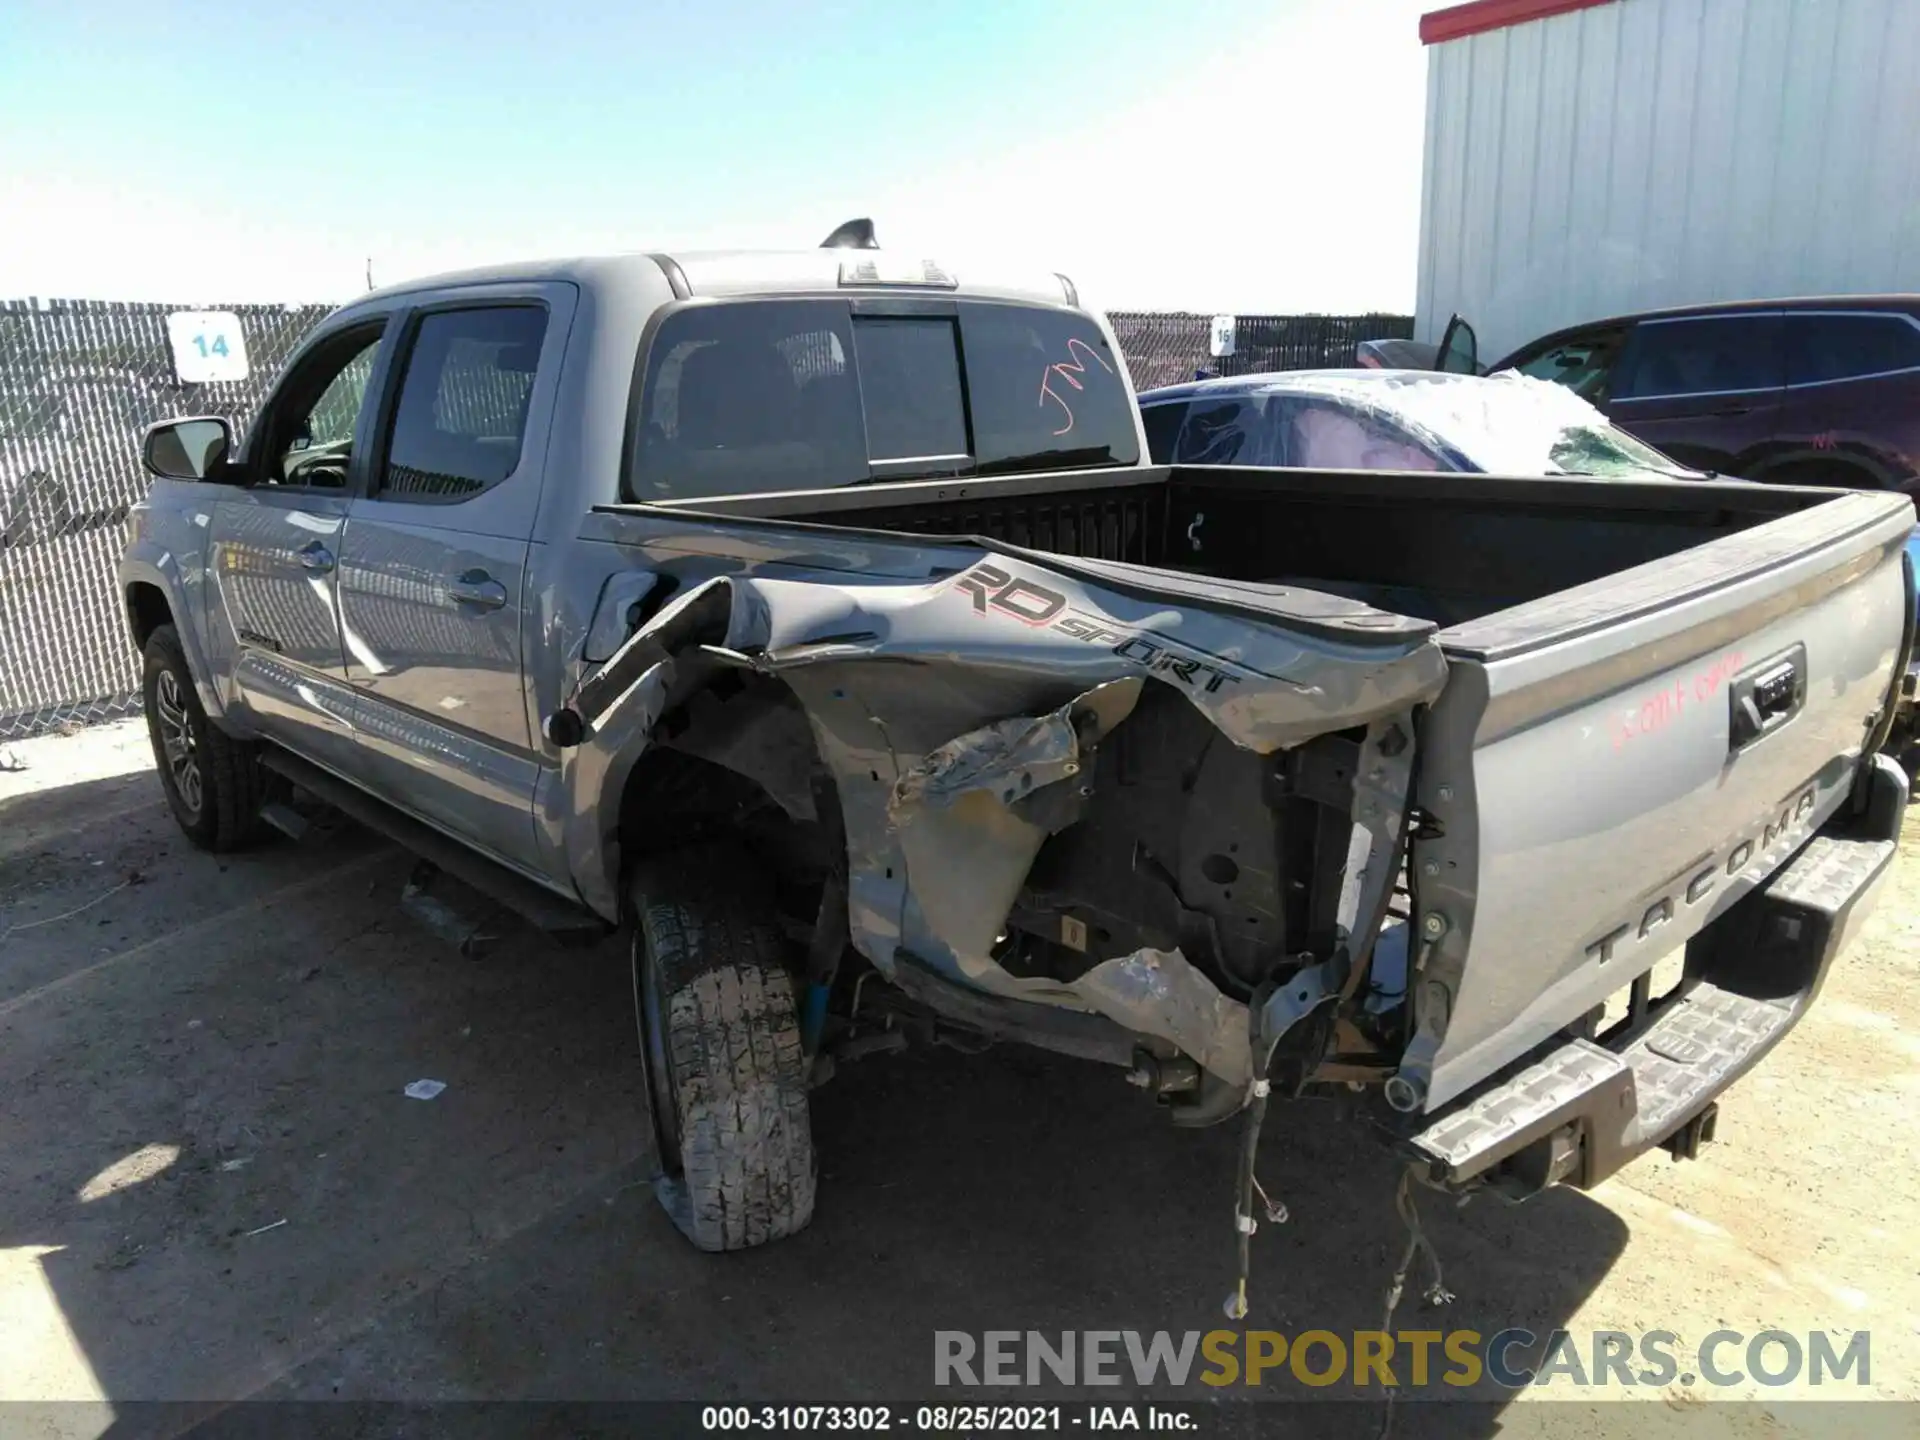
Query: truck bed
<point x="1589" y="794"/>
<point x="1445" y="548"/>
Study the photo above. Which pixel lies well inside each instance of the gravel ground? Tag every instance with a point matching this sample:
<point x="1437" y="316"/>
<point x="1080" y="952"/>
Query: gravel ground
<point x="212" y="1187"/>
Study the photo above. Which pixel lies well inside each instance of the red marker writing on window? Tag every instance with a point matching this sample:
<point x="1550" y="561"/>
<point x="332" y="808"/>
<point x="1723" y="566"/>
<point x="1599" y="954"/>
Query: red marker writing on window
<point x="1069" y="370"/>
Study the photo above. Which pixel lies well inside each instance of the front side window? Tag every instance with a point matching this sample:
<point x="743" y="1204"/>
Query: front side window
<point x="310" y="432"/>
<point x="1722" y="354"/>
<point x="1845" y="347"/>
<point x="462" y="412"/>
<point x="1582" y="364"/>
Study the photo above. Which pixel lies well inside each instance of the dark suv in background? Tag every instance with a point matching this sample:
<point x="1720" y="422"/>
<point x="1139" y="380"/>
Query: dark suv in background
<point x="1817" y="391"/>
<point x="1809" y="392"/>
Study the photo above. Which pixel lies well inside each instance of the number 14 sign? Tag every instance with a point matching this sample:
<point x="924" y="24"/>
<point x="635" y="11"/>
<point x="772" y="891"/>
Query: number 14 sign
<point x="207" y="346"/>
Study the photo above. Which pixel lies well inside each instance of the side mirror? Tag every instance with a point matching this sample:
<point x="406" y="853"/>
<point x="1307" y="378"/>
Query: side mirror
<point x="193" y="449"/>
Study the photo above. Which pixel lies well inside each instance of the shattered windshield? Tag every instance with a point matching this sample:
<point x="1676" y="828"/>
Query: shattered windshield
<point x="1606" y="450"/>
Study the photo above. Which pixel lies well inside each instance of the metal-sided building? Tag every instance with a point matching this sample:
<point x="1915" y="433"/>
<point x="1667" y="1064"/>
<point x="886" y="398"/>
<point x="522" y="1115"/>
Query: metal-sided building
<point x="1587" y="158"/>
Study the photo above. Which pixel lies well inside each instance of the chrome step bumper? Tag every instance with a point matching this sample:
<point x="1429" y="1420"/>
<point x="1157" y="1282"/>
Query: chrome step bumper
<point x="1587" y="1108"/>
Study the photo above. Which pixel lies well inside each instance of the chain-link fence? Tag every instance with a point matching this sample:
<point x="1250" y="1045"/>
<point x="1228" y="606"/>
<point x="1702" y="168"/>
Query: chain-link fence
<point x="80" y="380"/>
<point x="1167" y="347"/>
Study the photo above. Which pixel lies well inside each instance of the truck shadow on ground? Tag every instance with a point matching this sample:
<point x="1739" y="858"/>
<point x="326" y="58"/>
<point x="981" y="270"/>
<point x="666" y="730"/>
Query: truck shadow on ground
<point x="221" y="1190"/>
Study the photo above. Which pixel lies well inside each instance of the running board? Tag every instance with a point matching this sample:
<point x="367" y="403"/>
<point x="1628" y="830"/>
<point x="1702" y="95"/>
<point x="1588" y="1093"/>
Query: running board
<point x="566" y="922"/>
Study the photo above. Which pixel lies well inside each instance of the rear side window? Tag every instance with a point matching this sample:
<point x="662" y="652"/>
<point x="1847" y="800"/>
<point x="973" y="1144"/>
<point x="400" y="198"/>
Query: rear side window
<point x="765" y="395"/>
<point x="1846" y="347"/>
<point x="1221" y="432"/>
<point x="1163" y="425"/>
<point x="462" y="413"/>
<point x="1710" y="356"/>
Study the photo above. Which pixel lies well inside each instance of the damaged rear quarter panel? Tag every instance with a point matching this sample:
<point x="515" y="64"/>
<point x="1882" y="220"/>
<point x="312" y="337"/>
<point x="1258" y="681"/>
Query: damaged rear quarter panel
<point x="951" y="708"/>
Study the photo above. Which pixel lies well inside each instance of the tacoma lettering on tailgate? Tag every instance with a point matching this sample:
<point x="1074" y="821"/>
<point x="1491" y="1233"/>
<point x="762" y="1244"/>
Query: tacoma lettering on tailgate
<point x="1693" y="885"/>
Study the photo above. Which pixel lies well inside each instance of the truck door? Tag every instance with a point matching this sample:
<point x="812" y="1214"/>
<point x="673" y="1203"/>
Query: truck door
<point x="1706" y="389"/>
<point x="433" y="611"/>
<point x="1459" y="349"/>
<point x="275" y="546"/>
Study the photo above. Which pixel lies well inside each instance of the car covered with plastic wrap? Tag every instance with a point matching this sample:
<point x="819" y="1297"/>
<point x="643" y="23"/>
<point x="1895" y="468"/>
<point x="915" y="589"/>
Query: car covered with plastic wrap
<point x="1376" y="419"/>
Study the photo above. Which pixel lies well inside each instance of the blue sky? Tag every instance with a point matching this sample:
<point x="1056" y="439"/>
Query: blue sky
<point x="1214" y="154"/>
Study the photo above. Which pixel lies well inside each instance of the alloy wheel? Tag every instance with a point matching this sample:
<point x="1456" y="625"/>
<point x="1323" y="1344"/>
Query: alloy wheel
<point x="177" y="741"/>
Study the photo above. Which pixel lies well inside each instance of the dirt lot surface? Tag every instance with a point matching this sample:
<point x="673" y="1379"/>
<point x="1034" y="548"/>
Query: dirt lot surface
<point x="213" y="1188"/>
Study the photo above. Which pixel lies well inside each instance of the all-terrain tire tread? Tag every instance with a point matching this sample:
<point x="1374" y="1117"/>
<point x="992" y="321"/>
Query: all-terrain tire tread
<point x="746" y="1171"/>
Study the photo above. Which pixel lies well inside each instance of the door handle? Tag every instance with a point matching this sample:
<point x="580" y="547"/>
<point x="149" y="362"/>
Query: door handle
<point x="315" y="557"/>
<point x="479" y="589"/>
<point x="1767" y="696"/>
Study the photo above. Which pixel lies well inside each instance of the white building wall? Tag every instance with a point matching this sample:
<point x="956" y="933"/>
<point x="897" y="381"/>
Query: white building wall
<point x="1669" y="152"/>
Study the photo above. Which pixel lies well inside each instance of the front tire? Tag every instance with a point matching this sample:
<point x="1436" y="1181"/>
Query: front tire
<point x="214" y="784"/>
<point x="720" y="1035"/>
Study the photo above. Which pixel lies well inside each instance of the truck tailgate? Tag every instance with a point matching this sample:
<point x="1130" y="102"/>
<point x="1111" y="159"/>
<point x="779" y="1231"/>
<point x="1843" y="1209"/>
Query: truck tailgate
<point x="1612" y="767"/>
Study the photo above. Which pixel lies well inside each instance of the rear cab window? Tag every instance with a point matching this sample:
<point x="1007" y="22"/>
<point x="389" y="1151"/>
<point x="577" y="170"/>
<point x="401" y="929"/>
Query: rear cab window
<point x="748" y="396"/>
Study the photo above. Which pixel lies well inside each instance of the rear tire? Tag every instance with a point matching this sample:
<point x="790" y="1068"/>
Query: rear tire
<point x="214" y="784"/>
<point x="720" y="1035"/>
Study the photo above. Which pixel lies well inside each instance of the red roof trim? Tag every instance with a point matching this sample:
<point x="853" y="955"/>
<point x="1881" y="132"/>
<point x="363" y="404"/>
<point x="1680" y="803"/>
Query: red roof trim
<point x="1477" y="16"/>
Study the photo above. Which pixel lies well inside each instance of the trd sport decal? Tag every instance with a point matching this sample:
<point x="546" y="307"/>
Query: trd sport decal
<point x="995" y="592"/>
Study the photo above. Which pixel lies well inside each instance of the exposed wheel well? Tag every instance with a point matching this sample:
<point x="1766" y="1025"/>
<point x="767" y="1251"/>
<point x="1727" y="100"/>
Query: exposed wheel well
<point x="737" y="763"/>
<point x="147" y="611"/>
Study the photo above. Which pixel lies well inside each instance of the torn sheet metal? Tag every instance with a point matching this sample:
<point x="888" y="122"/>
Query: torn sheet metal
<point x="1013" y="759"/>
<point x="967" y="821"/>
<point x="1159" y="992"/>
<point x="1265" y="683"/>
<point x="949" y="709"/>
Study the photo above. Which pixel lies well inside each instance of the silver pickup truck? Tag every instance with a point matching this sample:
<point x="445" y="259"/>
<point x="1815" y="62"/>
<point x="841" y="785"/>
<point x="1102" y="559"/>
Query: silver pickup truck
<point x="819" y="618"/>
